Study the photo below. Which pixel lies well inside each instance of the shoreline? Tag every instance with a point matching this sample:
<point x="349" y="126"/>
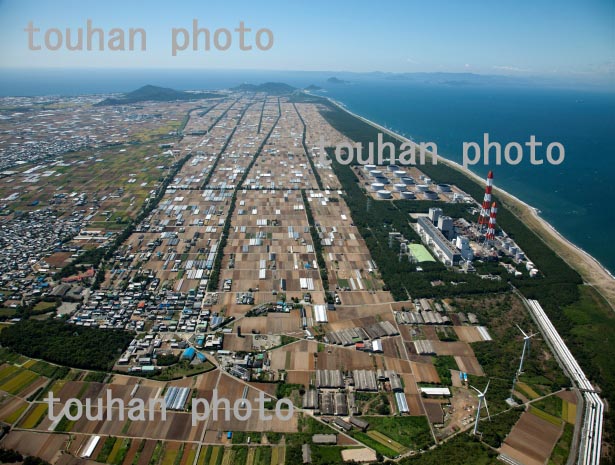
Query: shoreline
<point x="591" y="270"/>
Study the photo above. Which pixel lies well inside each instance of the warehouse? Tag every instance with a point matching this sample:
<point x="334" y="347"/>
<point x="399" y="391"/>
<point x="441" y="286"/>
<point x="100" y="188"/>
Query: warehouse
<point x="424" y="348"/>
<point x="310" y="399"/>
<point x="341" y="406"/>
<point x="435" y="391"/>
<point x="365" y="380"/>
<point x="362" y="425"/>
<point x="329" y="379"/>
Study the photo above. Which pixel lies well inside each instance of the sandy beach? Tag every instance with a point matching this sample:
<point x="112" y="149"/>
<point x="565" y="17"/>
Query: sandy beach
<point x="592" y="272"/>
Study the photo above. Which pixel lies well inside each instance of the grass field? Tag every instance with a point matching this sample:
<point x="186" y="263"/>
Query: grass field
<point x="560" y="453"/>
<point x="545" y="416"/>
<point x="117" y="455"/>
<point x="388" y="442"/>
<point x="7" y="371"/>
<point x="527" y="391"/>
<point x="569" y="412"/>
<point x="106" y="449"/>
<point x="411" y="432"/>
<point x="384" y="449"/>
<point x="191" y="456"/>
<point x="277" y="455"/>
<point x="35" y="416"/>
<point x="217" y="454"/>
<point x="553" y="405"/>
<point x="170" y="456"/>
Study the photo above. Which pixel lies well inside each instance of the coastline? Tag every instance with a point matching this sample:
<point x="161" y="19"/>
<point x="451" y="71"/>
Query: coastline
<point x="590" y="269"/>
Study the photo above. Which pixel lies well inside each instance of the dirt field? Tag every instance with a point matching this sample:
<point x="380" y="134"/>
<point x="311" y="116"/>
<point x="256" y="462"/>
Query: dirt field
<point x="531" y="440"/>
<point x="469" y="365"/>
<point x="43" y="445"/>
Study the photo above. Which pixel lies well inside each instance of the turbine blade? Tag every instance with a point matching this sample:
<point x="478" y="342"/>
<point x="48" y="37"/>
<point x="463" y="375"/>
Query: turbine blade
<point x="487" y="387"/>
<point x="487" y="408"/>
<point x="522" y="332"/>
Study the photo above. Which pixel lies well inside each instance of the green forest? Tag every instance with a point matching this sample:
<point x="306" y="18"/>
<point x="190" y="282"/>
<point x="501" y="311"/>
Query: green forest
<point x="66" y="344"/>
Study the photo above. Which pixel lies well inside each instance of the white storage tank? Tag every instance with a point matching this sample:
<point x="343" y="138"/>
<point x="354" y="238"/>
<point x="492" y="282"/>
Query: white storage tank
<point x="408" y="181"/>
<point x="383" y="180"/>
<point x="375" y="173"/>
<point x="400" y="187"/>
<point x="369" y="168"/>
<point x="408" y="195"/>
<point x="421" y="187"/>
<point x="377" y="186"/>
<point x="400" y="173"/>
<point x="430" y="195"/>
<point x="393" y="167"/>
<point x="384" y="194"/>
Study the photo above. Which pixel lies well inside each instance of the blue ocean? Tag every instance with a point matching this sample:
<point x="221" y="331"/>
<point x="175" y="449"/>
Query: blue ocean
<point x="576" y="197"/>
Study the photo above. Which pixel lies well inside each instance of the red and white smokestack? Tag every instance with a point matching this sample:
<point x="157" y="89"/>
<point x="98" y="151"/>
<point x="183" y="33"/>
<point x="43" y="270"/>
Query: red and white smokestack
<point x="491" y="229"/>
<point x="483" y="218"/>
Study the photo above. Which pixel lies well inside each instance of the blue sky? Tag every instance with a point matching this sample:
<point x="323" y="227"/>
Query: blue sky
<point x="553" y="38"/>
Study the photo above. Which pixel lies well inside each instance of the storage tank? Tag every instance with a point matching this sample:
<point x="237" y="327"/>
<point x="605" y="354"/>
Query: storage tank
<point x="400" y="173"/>
<point x="393" y="167"/>
<point x="369" y="168"/>
<point x="408" y="181"/>
<point x="377" y="186"/>
<point x="375" y="173"/>
<point x="408" y="195"/>
<point x="421" y="187"/>
<point x="384" y="194"/>
<point x="400" y="187"/>
<point x="383" y="180"/>
<point x="430" y="195"/>
<point x="444" y="188"/>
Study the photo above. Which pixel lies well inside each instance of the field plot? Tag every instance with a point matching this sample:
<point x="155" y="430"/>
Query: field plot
<point x="334" y="358"/>
<point x="269" y="247"/>
<point x="18" y="381"/>
<point x="43" y="445"/>
<point x="34" y="416"/>
<point x="283" y="163"/>
<point x="531" y="440"/>
<point x="348" y="260"/>
<point x="469" y="365"/>
<point x="316" y="128"/>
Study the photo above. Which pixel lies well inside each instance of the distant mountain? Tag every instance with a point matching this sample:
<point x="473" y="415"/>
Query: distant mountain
<point x="274" y="88"/>
<point x="155" y="94"/>
<point x="334" y="80"/>
<point x="461" y="79"/>
<point x="312" y="87"/>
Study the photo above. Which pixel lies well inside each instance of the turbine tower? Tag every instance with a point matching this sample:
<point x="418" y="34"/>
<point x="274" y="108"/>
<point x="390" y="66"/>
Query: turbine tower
<point x="526" y="348"/>
<point x="524" y="353"/>
<point x="483" y="217"/>
<point x="481" y="399"/>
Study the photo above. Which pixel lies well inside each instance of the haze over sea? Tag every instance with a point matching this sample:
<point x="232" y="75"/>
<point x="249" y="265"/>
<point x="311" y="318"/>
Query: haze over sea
<point x="576" y="197"/>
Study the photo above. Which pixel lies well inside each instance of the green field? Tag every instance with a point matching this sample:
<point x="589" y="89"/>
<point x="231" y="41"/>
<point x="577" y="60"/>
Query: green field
<point x="411" y="432"/>
<point x="34" y="417"/>
<point x="13" y="417"/>
<point x="421" y="253"/>
<point x="545" y="416"/>
<point x="19" y="382"/>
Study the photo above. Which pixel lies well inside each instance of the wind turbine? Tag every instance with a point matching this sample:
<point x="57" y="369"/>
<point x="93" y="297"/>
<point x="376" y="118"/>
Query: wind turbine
<point x="526" y="350"/>
<point x="481" y="399"/>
